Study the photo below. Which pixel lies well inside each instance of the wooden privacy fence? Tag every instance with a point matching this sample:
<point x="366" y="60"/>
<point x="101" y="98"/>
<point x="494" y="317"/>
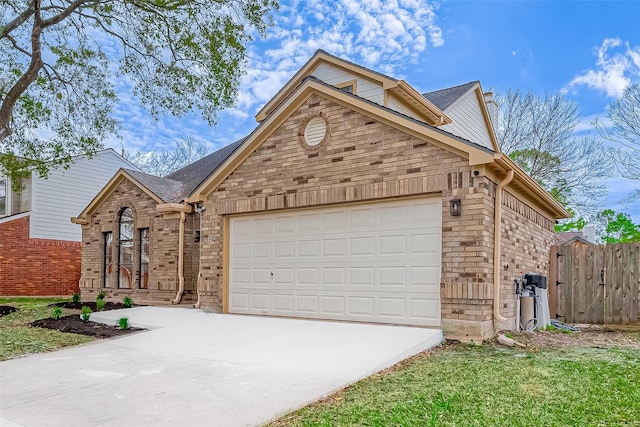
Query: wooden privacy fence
<point x="595" y="283"/>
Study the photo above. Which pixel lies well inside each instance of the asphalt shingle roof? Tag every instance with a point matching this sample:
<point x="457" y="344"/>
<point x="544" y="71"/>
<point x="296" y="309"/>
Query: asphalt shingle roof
<point x="443" y="98"/>
<point x="194" y="174"/>
<point x="168" y="190"/>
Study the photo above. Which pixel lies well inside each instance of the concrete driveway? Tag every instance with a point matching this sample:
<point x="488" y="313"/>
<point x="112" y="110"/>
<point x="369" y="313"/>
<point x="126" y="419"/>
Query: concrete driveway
<point x="194" y="368"/>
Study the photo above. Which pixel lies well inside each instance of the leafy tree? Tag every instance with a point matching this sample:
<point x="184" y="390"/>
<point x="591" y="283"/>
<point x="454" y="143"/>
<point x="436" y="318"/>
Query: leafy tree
<point x="573" y="224"/>
<point x="618" y="227"/>
<point x="162" y="163"/>
<point x="624" y="132"/>
<point x="60" y="59"/>
<point x="538" y="133"/>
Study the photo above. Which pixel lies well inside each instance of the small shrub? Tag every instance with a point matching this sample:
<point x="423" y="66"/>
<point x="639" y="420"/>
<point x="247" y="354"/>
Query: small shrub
<point x="75" y="297"/>
<point x="100" y="303"/>
<point x="127" y="302"/>
<point x="102" y="295"/>
<point x="508" y="335"/>
<point x="86" y="313"/>
<point x="57" y="313"/>
<point x="123" y="323"/>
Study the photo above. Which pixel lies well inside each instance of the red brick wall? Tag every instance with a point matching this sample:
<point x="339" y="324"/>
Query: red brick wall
<point x="36" y="267"/>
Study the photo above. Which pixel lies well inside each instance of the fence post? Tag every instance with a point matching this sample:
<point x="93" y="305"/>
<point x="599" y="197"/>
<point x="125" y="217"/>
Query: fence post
<point x="553" y="282"/>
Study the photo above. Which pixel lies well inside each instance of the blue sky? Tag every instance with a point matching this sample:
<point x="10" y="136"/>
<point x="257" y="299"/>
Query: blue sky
<point x="589" y="50"/>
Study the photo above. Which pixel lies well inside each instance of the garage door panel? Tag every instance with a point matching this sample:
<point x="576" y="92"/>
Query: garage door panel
<point x="333" y="276"/>
<point x="260" y="276"/>
<point x="334" y="221"/>
<point x="373" y="263"/>
<point x="392" y="276"/>
<point x="362" y="306"/>
<point x="261" y="250"/>
<point x="392" y="307"/>
<point x="424" y="243"/>
<point x="283" y="303"/>
<point x="423" y="308"/>
<point x="362" y="246"/>
<point x="241" y="251"/>
<point x="285" y="223"/>
<point x="283" y="276"/>
<point x="392" y="215"/>
<point x="334" y="247"/>
<point x="239" y="301"/>
<point x="362" y="217"/>
<point x="333" y="305"/>
<point x="307" y="304"/>
<point x="308" y="248"/>
<point x="260" y="301"/>
<point x="263" y="225"/>
<point x="309" y="222"/>
<point x="362" y="276"/>
<point x="308" y="276"/>
<point x="393" y="245"/>
<point x="285" y="249"/>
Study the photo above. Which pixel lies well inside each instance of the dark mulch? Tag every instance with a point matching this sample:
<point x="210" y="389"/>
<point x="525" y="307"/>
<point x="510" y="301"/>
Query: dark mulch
<point x="91" y="305"/>
<point x="6" y="309"/>
<point x="73" y="324"/>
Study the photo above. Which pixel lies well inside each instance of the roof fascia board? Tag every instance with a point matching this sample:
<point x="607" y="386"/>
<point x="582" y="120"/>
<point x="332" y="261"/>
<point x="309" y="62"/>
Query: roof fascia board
<point x="443" y="119"/>
<point x="318" y="58"/>
<point x="487" y="118"/>
<point x="288" y="106"/>
<point x="548" y="202"/>
<point x="120" y="176"/>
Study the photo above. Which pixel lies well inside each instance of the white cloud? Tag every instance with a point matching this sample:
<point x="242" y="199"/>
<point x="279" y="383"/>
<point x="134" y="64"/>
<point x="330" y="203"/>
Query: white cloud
<point x="617" y="64"/>
<point x="382" y="35"/>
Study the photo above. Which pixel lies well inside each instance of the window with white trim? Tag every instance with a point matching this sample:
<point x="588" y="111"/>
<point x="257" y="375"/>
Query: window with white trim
<point x="125" y="249"/>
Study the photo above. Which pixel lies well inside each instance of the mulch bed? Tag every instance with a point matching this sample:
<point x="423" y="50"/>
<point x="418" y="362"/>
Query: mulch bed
<point x="91" y="305"/>
<point x="75" y="325"/>
<point x="6" y="309"/>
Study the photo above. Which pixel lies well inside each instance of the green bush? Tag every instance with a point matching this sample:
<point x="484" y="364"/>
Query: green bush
<point x="102" y="295"/>
<point x="57" y="313"/>
<point x="128" y="302"/>
<point x="86" y="313"/>
<point x="100" y="303"/>
<point x="123" y="323"/>
<point x="75" y="297"/>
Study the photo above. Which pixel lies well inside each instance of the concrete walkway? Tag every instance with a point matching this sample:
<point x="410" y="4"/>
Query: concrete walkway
<point x="194" y="368"/>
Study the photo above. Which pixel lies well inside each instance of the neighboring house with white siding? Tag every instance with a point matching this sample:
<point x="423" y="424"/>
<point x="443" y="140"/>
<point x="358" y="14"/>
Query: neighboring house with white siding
<point x="39" y="246"/>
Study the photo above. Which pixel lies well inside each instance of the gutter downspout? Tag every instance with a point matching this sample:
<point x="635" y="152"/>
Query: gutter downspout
<point x="180" y="259"/>
<point x="497" y="249"/>
<point x="199" y="280"/>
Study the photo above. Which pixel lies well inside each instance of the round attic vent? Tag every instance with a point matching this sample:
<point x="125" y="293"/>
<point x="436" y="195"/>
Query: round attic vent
<point x="315" y="131"/>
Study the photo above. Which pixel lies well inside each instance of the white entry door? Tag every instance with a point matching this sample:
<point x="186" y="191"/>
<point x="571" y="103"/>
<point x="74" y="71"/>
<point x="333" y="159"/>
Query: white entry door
<point x="377" y="262"/>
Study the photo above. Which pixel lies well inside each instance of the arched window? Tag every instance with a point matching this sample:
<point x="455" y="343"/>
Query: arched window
<point x="125" y="258"/>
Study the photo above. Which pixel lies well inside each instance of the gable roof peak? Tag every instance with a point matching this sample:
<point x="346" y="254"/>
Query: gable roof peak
<point x="444" y="98"/>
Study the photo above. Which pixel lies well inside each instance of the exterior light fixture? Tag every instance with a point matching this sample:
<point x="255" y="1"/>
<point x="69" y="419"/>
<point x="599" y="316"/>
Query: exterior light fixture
<point x="455" y="207"/>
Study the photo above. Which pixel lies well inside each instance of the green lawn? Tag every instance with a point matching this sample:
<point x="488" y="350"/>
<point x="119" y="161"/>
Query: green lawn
<point x="491" y="386"/>
<point x="17" y="338"/>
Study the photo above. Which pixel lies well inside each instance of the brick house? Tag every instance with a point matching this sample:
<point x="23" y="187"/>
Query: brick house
<point x="355" y="198"/>
<point x="39" y="247"/>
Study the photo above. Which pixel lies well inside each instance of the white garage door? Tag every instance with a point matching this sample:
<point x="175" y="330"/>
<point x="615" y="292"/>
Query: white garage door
<point x="376" y="262"/>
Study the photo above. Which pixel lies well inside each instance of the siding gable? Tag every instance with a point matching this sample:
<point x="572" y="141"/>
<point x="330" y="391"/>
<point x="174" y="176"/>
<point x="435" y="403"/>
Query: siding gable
<point x="468" y="122"/>
<point x="366" y="89"/>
